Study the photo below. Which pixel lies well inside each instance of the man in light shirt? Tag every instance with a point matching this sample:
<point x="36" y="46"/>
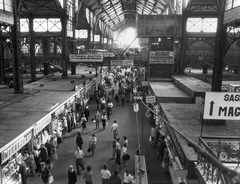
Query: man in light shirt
<point x="105" y="173"/>
<point x="78" y="158"/>
<point x="92" y="144"/>
<point x="114" y="129"/>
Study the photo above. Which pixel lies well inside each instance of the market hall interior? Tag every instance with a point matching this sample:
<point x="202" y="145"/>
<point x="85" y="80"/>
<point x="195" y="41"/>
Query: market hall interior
<point x="44" y="43"/>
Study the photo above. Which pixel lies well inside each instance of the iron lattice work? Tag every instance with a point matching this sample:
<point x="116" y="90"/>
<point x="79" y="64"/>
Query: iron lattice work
<point x="118" y="13"/>
<point x="225" y="149"/>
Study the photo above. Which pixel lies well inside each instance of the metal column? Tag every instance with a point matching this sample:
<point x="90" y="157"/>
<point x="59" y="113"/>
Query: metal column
<point x="16" y="42"/>
<point x="219" y="53"/>
<point x="64" y="40"/>
<point x="32" y="50"/>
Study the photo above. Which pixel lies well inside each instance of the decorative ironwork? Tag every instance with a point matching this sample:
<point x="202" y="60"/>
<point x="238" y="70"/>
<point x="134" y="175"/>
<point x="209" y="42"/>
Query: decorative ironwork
<point x="225" y="149"/>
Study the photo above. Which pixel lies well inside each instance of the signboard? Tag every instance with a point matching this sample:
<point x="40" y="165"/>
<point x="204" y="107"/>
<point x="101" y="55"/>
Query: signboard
<point x="59" y="110"/>
<point x="42" y="124"/>
<point x="108" y="54"/>
<point x="135" y="107"/>
<point x="85" y="58"/>
<point x="222" y="106"/>
<point x="161" y="57"/>
<point x="137" y="97"/>
<point x="159" y="25"/>
<point x="121" y="62"/>
<point x="144" y="83"/>
<point x="150" y="99"/>
<point x="15" y="147"/>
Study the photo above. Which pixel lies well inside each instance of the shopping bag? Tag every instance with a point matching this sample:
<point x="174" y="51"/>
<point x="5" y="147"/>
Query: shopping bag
<point x="89" y="149"/>
<point x="50" y="179"/>
<point x="126" y="157"/>
<point x="163" y="165"/>
<point x="150" y="139"/>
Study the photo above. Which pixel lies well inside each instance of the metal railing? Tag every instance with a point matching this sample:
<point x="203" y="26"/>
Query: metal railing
<point x="210" y="168"/>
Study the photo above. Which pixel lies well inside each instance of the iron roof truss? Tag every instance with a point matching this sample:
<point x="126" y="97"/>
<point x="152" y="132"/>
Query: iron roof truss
<point x="116" y="13"/>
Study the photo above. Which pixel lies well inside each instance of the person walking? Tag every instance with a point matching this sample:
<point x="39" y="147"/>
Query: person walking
<point x="115" y="178"/>
<point x="161" y="147"/>
<point x="118" y="152"/>
<point x="23" y="172"/>
<point x="110" y="104"/>
<point x="103" y="103"/>
<point x="98" y="118"/>
<point x="116" y="99"/>
<point x="92" y="144"/>
<point x="78" y="158"/>
<point x="54" y="155"/>
<point x="123" y="153"/>
<point x="45" y="173"/>
<point x="79" y="140"/>
<point x="104" y="119"/>
<point x="72" y="177"/>
<point x="65" y="125"/>
<point x="108" y="110"/>
<point x="43" y="154"/>
<point x="69" y="122"/>
<point x="128" y="178"/>
<point x="113" y="93"/>
<point x="87" y="113"/>
<point x="83" y="122"/>
<point x="105" y="173"/>
<point x="114" y="148"/>
<point x="152" y="135"/>
<point x="166" y="161"/>
<point x="51" y="151"/>
<point x="114" y="129"/>
<point x="125" y="141"/>
<point x="88" y="175"/>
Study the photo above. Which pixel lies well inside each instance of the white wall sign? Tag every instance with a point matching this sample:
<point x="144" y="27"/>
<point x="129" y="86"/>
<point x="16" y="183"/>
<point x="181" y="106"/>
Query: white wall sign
<point x="42" y="124"/>
<point x="144" y="83"/>
<point x="161" y="57"/>
<point x="85" y="58"/>
<point x="222" y="106"/>
<point x="150" y="99"/>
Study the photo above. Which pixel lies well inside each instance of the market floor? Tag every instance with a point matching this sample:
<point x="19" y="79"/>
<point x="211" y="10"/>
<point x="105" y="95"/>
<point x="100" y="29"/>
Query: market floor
<point x="127" y="121"/>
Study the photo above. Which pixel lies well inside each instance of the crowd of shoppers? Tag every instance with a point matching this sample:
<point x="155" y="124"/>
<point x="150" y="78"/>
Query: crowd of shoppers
<point x="118" y="93"/>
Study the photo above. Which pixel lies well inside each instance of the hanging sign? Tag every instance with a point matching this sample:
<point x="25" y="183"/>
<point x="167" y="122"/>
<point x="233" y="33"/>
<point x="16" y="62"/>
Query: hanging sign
<point x="145" y="83"/>
<point x="150" y="99"/>
<point x="161" y="57"/>
<point x="222" y="106"/>
<point x="86" y="58"/>
<point x="135" y="107"/>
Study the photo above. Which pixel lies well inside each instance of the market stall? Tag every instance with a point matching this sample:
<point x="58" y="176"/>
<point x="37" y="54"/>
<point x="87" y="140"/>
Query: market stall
<point x="42" y="131"/>
<point x="12" y="156"/>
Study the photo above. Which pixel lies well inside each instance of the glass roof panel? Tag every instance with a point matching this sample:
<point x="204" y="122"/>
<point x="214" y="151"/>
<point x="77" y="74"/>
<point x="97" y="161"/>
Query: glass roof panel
<point x="152" y="1"/>
<point x="149" y="4"/>
<point x="115" y="12"/>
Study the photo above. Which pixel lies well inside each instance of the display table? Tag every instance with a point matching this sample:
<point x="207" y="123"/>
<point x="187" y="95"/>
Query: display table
<point x="140" y="170"/>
